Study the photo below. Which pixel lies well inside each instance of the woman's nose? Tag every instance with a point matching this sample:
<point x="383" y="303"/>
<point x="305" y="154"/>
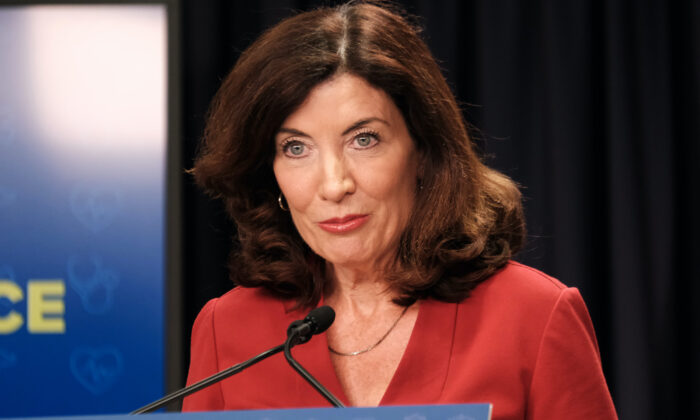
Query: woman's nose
<point x="337" y="179"/>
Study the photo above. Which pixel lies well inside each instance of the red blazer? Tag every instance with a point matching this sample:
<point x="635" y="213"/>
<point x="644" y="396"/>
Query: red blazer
<point x="522" y="341"/>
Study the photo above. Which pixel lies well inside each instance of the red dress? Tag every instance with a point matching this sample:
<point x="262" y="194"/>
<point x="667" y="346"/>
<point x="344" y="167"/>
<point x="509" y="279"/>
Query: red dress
<point x="522" y="341"/>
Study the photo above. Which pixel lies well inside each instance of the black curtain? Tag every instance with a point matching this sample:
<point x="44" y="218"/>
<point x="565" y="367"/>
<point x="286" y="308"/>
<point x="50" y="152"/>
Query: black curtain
<point x="592" y="107"/>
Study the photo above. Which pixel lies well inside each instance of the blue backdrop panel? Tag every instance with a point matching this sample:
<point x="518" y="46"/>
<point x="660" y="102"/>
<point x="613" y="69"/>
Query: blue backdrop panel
<point x="480" y="411"/>
<point x="82" y="208"/>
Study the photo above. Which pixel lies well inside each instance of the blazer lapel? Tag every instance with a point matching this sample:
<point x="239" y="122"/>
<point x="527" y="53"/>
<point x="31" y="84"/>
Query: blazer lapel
<point x="422" y="371"/>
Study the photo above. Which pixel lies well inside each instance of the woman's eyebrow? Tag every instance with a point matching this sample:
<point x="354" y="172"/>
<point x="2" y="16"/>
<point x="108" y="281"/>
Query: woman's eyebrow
<point x="292" y="131"/>
<point x="354" y="126"/>
<point x="362" y="122"/>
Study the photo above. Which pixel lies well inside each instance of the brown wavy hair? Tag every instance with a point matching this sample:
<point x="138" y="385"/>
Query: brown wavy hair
<point x="467" y="220"/>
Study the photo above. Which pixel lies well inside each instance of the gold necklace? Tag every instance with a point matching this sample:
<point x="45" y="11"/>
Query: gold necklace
<point x="358" y="352"/>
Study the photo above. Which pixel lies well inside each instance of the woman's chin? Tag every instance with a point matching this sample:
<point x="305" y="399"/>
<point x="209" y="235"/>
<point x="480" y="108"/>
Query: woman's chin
<point x="356" y="262"/>
<point x="349" y="261"/>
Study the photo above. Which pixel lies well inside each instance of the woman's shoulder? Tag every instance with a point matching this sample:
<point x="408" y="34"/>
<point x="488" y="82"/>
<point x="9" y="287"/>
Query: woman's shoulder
<point x="519" y="305"/>
<point x="246" y="312"/>
<point x="518" y="292"/>
<point x="244" y="300"/>
<point x="519" y="280"/>
<point x="246" y="304"/>
<point x="532" y="335"/>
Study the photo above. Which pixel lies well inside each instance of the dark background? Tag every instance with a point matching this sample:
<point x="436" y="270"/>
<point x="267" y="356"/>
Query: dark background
<point x="593" y="107"/>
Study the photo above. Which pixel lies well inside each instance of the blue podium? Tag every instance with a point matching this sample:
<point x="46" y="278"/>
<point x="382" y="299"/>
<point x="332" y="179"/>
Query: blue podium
<point x="415" y="412"/>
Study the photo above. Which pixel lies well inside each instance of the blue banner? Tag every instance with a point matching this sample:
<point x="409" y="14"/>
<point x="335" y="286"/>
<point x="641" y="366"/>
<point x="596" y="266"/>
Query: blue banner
<point x="82" y="208"/>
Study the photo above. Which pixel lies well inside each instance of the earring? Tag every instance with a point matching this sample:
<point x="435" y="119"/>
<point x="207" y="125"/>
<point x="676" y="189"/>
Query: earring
<point x="279" y="201"/>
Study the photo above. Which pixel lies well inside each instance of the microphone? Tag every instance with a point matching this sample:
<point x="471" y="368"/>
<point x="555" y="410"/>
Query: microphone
<point x="316" y="322"/>
<point x="299" y="332"/>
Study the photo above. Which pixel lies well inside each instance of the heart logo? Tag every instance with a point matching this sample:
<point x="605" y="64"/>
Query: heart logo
<point x="7" y="359"/>
<point x="7" y="197"/>
<point x="95" y="207"/>
<point x="96" y="369"/>
<point x="94" y="283"/>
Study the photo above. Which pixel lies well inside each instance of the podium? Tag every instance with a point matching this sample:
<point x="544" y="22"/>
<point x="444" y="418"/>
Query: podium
<point x="413" y="412"/>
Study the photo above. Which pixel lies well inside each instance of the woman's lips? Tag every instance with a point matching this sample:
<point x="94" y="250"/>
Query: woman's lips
<point x="344" y="224"/>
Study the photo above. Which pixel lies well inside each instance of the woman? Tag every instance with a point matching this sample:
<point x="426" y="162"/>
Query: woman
<point x="343" y="158"/>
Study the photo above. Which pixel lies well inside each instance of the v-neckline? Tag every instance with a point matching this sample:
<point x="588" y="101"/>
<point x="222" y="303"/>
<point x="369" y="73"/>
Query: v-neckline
<point x="422" y="369"/>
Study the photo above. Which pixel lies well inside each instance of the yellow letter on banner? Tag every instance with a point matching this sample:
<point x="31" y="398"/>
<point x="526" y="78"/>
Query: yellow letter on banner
<point x="12" y="321"/>
<point x="46" y="298"/>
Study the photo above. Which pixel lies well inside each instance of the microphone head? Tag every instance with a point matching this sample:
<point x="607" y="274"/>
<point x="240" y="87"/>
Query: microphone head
<point x="320" y="318"/>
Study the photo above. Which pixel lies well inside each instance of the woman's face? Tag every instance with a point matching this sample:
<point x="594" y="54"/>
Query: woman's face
<point x="347" y="167"/>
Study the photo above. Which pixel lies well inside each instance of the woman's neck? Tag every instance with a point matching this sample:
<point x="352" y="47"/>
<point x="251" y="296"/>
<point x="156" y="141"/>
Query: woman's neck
<point x="361" y="292"/>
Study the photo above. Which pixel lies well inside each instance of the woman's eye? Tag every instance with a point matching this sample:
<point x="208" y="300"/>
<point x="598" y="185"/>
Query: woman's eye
<point x="294" y="148"/>
<point x="365" y="140"/>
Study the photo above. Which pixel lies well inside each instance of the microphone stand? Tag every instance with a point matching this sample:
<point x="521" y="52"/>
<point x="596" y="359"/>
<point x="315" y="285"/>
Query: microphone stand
<point x="299" y="332"/>
<point x="293" y="340"/>
<point x="182" y="393"/>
